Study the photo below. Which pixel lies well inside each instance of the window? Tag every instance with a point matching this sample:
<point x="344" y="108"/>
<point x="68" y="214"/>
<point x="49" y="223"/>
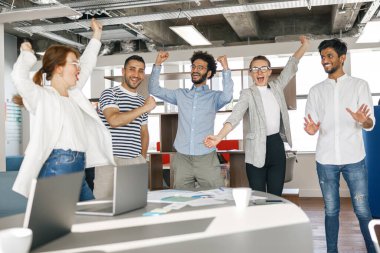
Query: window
<point x="365" y="65"/>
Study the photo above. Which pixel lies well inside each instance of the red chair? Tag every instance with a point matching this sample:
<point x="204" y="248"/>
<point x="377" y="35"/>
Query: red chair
<point x="227" y="145"/>
<point x="165" y="157"/>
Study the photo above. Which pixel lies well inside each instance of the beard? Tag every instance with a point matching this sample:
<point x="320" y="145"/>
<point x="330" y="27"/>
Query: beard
<point x="332" y="70"/>
<point x="201" y="80"/>
<point x="130" y="85"/>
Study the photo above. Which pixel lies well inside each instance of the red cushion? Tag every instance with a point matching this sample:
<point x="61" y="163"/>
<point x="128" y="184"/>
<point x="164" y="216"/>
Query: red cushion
<point x="166" y="157"/>
<point x="228" y="145"/>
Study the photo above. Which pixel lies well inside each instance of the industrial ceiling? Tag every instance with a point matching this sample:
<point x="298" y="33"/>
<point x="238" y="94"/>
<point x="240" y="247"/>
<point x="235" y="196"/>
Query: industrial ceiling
<point x="143" y="25"/>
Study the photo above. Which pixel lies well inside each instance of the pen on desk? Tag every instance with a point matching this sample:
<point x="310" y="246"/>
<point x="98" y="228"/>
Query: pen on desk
<point x="273" y="200"/>
<point x="221" y="188"/>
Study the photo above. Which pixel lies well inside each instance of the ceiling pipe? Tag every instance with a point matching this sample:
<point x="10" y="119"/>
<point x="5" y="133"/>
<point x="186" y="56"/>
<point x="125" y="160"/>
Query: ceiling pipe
<point x="193" y="13"/>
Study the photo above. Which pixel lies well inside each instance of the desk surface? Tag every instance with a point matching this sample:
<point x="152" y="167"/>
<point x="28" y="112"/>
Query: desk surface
<point x="259" y="228"/>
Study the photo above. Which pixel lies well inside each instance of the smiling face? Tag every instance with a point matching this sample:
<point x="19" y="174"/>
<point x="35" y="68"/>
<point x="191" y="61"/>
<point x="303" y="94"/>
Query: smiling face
<point x="199" y="72"/>
<point x="259" y="77"/>
<point x="70" y="71"/>
<point x="331" y="62"/>
<point x="133" y="74"/>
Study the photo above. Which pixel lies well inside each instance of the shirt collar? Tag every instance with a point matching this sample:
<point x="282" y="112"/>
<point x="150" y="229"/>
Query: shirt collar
<point x="338" y="80"/>
<point x="200" y="88"/>
<point x="127" y="91"/>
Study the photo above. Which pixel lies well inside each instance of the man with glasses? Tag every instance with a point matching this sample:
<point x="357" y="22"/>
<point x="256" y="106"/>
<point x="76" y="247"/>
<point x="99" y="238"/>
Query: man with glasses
<point x="194" y="164"/>
<point x="268" y="127"/>
<point x="125" y="114"/>
<point x="340" y="148"/>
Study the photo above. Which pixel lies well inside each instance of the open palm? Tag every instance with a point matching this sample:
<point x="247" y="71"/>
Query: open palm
<point x="361" y="115"/>
<point x="310" y="126"/>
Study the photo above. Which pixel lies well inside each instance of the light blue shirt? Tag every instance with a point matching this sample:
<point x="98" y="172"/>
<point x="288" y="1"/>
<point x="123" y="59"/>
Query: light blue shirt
<point x="197" y="109"/>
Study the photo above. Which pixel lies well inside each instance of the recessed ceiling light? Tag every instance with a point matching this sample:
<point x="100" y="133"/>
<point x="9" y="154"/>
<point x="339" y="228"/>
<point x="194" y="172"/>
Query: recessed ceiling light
<point x="191" y="35"/>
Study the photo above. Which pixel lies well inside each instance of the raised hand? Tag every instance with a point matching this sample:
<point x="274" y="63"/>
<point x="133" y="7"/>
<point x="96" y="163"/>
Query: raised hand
<point x="223" y="61"/>
<point x="150" y="103"/>
<point x="161" y="57"/>
<point x="310" y="126"/>
<point x="304" y="40"/>
<point x="361" y="115"/>
<point x="211" y="141"/>
<point x="26" y="46"/>
<point x="96" y="27"/>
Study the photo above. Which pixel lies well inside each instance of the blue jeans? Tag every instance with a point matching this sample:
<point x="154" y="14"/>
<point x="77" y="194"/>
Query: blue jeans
<point x="356" y="177"/>
<point x="63" y="162"/>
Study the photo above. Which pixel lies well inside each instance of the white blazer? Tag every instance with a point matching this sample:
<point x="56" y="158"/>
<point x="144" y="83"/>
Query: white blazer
<point x="45" y="108"/>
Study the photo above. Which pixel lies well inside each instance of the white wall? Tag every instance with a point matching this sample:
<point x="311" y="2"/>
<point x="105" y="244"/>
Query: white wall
<point x="8" y="54"/>
<point x="2" y="96"/>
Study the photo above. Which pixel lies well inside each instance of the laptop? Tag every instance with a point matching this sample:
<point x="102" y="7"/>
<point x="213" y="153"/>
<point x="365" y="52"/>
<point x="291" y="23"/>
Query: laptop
<point x="130" y="190"/>
<point x="51" y="206"/>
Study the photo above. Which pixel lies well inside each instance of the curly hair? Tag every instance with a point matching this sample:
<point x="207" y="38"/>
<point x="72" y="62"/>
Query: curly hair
<point x="211" y="63"/>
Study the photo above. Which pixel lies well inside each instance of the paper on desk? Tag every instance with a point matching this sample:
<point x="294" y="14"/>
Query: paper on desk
<point x="204" y="202"/>
<point x="223" y="193"/>
<point x="157" y="196"/>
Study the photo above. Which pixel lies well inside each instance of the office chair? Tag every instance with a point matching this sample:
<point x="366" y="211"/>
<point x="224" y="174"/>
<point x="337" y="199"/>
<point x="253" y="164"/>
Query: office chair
<point x="371" y="227"/>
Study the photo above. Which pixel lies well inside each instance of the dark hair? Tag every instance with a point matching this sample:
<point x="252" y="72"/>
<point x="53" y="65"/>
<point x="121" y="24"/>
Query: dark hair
<point x="134" y="57"/>
<point x="54" y="56"/>
<point x="338" y="45"/>
<point x="211" y="63"/>
<point x="260" y="57"/>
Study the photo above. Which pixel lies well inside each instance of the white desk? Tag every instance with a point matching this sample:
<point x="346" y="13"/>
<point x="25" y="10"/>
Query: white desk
<point x="264" y="229"/>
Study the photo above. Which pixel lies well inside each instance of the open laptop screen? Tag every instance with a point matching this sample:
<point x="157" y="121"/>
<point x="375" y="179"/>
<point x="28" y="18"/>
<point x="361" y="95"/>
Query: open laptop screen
<point x="50" y="211"/>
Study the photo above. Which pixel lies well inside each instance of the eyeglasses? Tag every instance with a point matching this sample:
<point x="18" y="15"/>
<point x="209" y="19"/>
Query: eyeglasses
<point x="263" y="69"/>
<point x="75" y="63"/>
<point x="199" y="67"/>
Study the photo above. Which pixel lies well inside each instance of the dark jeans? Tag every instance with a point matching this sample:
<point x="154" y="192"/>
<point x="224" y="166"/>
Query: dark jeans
<point x="356" y="177"/>
<point x="63" y="162"/>
<point x="269" y="178"/>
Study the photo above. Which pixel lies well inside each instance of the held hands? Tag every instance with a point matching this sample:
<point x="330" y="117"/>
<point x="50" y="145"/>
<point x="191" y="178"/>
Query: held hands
<point x="310" y="126"/>
<point x="161" y="57"/>
<point x="96" y="27"/>
<point x="150" y="104"/>
<point x="211" y="141"/>
<point x="223" y="61"/>
<point x="361" y="115"/>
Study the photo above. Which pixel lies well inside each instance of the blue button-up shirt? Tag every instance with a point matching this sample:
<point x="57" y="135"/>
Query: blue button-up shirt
<point x="197" y="109"/>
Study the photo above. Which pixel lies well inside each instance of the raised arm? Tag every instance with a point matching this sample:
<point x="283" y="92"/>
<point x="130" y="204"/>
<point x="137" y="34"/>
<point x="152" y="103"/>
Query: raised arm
<point x="228" y="84"/>
<point x="28" y="90"/>
<point x="292" y="66"/>
<point x="154" y="81"/>
<point x="90" y="54"/>
<point x="303" y="48"/>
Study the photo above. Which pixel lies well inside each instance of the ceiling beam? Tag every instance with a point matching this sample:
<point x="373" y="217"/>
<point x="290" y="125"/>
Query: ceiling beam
<point x="237" y="8"/>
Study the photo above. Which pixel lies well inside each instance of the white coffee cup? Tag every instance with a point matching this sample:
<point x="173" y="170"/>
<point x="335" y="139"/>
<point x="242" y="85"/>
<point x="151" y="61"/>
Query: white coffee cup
<point x="241" y="195"/>
<point x="14" y="240"/>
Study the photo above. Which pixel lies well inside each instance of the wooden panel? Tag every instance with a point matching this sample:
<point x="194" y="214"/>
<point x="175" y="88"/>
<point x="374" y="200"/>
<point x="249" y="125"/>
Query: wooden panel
<point x="168" y="124"/>
<point x="155" y="172"/>
<point x="238" y="175"/>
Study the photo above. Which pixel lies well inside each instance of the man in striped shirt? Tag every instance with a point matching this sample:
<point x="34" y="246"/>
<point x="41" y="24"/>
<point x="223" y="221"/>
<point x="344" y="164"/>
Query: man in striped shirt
<point x="125" y="114"/>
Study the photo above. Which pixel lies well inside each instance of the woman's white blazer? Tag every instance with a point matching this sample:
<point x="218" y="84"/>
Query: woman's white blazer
<point x="47" y="118"/>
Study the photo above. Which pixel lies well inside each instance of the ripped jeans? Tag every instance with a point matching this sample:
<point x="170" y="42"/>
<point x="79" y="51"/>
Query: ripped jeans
<point x="356" y="177"/>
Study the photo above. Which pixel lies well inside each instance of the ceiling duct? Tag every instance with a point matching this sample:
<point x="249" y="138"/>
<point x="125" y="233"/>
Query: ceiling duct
<point x="128" y="46"/>
<point x="249" y="7"/>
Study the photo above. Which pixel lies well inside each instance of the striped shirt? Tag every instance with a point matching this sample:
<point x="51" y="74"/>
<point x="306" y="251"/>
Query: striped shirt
<point x="126" y="140"/>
